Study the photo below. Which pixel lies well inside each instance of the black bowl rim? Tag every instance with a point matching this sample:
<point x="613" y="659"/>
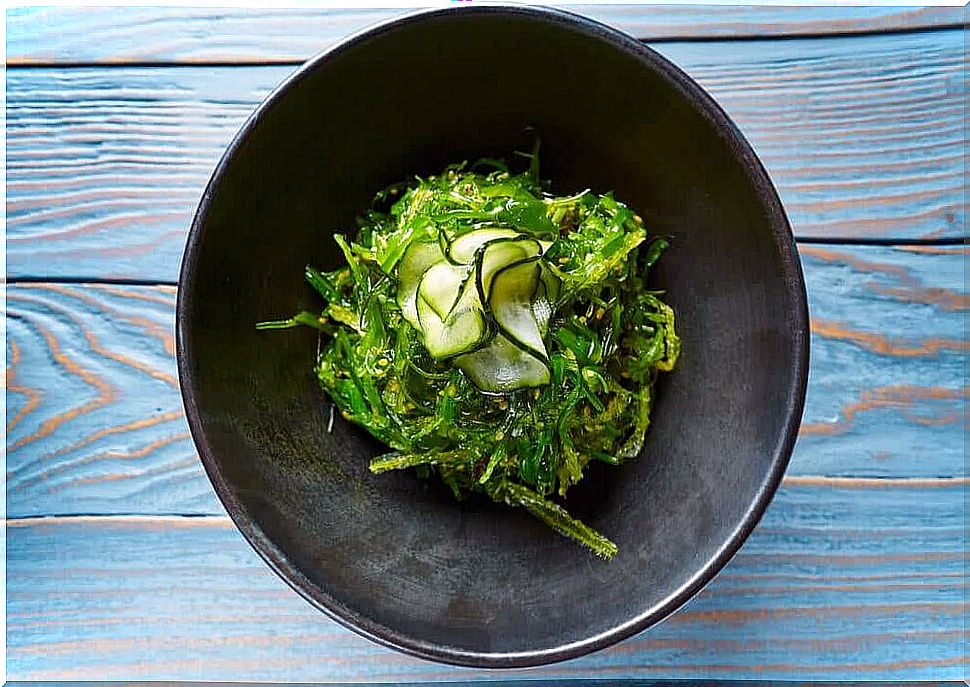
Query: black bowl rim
<point x="786" y="245"/>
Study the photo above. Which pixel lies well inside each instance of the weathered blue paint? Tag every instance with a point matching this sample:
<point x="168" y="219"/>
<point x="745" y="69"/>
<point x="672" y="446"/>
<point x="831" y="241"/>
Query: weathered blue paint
<point x="92" y="34"/>
<point x="105" y="166"/>
<point x="861" y="582"/>
<point x="857" y="570"/>
<point x="885" y="395"/>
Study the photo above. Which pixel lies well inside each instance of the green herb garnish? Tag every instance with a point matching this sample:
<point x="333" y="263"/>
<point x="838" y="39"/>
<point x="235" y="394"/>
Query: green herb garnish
<point x="496" y="335"/>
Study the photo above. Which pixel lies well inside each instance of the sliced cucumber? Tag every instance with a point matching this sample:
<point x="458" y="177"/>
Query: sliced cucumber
<point x="544" y="302"/>
<point x="510" y="302"/>
<point x="460" y="330"/>
<point x="502" y="367"/>
<point x="551" y="284"/>
<point x="443" y="242"/>
<point x="542" y="308"/>
<point x="462" y="250"/>
<point x="444" y="289"/>
<point x="498" y="255"/>
<point x="440" y="286"/>
<point x="416" y="260"/>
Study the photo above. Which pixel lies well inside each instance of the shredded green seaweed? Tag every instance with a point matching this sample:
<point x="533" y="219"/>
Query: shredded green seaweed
<point x="606" y="338"/>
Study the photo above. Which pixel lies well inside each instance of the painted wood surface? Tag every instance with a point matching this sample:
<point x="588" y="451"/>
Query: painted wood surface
<point x="55" y="35"/>
<point x="95" y="425"/>
<point x="120" y="561"/>
<point x="520" y="682"/>
<point x="863" y="137"/>
<point x="861" y="581"/>
<point x="515" y="682"/>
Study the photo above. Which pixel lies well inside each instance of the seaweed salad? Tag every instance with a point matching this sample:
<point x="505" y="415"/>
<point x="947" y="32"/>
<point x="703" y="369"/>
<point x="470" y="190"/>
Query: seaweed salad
<point x="496" y="336"/>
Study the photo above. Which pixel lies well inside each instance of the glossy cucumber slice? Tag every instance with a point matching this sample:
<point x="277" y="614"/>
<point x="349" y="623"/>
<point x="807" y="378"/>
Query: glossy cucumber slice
<point x="501" y="367"/>
<point x="498" y="255"/>
<point x="461" y="329"/>
<point x="510" y="301"/>
<point x="462" y="250"/>
<point x="551" y="285"/>
<point x="445" y="299"/>
<point x="415" y="261"/>
<point x="545" y="301"/>
<point x="440" y="285"/>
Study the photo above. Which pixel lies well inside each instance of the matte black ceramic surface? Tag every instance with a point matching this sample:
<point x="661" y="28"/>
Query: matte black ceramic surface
<point x="394" y="557"/>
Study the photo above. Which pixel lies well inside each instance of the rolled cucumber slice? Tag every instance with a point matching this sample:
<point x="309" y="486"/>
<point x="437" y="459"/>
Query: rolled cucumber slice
<point x="498" y="255"/>
<point x="459" y="329"/>
<point x="501" y="367"/>
<point x="462" y="250"/>
<point x="544" y="302"/>
<point x="510" y="302"/>
<point x="440" y="286"/>
<point x="458" y="294"/>
<point x="415" y="261"/>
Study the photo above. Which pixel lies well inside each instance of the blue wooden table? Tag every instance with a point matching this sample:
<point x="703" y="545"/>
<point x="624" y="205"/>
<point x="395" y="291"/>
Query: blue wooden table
<point x="121" y="562"/>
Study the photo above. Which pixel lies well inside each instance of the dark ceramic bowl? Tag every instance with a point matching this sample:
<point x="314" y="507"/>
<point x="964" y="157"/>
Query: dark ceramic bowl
<point x="393" y="557"/>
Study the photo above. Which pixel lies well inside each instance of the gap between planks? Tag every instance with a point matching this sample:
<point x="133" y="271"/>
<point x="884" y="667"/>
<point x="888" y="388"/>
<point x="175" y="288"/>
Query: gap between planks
<point x="189" y="520"/>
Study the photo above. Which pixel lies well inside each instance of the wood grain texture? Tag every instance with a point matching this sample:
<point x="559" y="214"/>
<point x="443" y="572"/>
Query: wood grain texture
<point x="524" y="682"/>
<point x="95" y="425"/>
<point x="863" y="137"/>
<point x="887" y="373"/>
<point x="834" y="583"/>
<point x="856" y="571"/>
<point x="93" y="411"/>
<point x="63" y="35"/>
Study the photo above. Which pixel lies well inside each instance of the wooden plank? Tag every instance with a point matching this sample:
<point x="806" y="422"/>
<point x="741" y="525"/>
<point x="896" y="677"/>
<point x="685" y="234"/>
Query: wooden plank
<point x="63" y="35"/>
<point x="863" y="137"/>
<point x="491" y="683"/>
<point x="498" y="683"/>
<point x="858" y="583"/>
<point x="95" y="421"/>
<point x="889" y="345"/>
<point x="93" y="411"/>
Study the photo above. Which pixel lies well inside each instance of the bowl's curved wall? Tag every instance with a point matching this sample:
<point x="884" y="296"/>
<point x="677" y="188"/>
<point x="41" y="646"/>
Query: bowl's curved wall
<point x="395" y="557"/>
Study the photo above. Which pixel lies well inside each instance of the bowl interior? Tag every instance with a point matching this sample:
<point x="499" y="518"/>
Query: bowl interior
<point x="397" y="557"/>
